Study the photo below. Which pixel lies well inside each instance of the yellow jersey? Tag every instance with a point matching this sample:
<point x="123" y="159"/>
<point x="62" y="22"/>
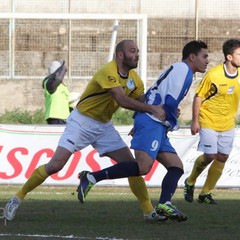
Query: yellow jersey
<point x="220" y="94"/>
<point x="97" y="103"/>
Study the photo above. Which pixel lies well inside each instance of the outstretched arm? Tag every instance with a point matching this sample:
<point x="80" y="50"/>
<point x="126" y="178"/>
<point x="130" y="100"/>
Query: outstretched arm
<point x="55" y="79"/>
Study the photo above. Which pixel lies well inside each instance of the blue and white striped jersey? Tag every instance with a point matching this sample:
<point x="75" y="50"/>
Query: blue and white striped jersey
<point x="169" y="89"/>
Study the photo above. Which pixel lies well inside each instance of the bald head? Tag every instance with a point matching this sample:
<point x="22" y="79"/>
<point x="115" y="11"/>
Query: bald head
<point x="126" y="55"/>
<point x="121" y="46"/>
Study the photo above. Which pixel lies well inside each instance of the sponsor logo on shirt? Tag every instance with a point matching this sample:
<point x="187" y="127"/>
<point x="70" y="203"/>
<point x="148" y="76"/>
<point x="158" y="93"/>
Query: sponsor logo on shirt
<point x="130" y="84"/>
<point x="230" y="90"/>
<point x="111" y="79"/>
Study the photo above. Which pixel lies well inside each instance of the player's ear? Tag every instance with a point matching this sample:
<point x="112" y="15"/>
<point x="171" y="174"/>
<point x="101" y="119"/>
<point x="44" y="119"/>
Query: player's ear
<point x="229" y="57"/>
<point x="191" y="57"/>
<point x="120" y="55"/>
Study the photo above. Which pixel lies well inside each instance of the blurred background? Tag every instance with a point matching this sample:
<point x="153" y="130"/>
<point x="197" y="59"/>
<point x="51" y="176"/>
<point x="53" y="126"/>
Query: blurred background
<point x="84" y="34"/>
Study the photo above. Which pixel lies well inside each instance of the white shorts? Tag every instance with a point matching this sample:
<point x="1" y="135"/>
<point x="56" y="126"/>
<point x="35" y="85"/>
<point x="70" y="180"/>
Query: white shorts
<point x="82" y="131"/>
<point x="213" y="142"/>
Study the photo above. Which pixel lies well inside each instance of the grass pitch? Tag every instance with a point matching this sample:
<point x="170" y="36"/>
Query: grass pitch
<point x="113" y="213"/>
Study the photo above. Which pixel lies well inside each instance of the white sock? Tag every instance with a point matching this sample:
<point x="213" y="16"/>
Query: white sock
<point x="91" y="178"/>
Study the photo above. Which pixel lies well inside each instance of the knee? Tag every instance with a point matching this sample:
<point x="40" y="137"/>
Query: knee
<point x="144" y="168"/>
<point x="222" y="158"/>
<point x="177" y="164"/>
<point x="53" y="167"/>
<point x="208" y="158"/>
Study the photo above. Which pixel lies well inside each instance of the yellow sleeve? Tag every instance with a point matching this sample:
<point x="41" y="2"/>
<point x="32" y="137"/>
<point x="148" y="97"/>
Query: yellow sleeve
<point x="205" y="89"/>
<point x="108" y="76"/>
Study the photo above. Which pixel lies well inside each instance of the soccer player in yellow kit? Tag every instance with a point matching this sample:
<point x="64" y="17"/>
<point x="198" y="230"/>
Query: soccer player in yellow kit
<point x="214" y="109"/>
<point x="115" y="84"/>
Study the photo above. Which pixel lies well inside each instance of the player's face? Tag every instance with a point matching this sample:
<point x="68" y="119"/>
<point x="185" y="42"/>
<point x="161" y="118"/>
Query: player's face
<point x="131" y="56"/>
<point x="235" y="58"/>
<point x="201" y="61"/>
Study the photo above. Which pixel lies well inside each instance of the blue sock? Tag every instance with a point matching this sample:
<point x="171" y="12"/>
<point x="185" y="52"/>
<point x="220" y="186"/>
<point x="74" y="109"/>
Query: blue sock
<point x="119" y="170"/>
<point x="169" y="183"/>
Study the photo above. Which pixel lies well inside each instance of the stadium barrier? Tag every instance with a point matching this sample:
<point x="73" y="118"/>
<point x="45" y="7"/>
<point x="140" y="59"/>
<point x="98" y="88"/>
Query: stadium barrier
<point x="25" y="147"/>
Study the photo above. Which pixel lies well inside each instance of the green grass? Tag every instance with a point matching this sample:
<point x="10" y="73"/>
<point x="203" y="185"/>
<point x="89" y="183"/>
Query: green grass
<point x="121" y="117"/>
<point x="113" y="213"/>
<point x="18" y="116"/>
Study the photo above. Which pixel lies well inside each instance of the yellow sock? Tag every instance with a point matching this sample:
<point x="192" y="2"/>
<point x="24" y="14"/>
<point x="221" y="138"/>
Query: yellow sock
<point x="37" y="178"/>
<point x="214" y="173"/>
<point x="139" y="189"/>
<point x="198" y="167"/>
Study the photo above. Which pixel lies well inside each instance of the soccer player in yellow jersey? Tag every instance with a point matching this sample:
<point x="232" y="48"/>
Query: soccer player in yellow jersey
<point x="214" y="108"/>
<point x="150" y="141"/>
<point x="115" y="84"/>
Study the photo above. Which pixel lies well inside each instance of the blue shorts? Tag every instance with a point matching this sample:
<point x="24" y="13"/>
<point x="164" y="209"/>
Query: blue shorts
<point x="150" y="136"/>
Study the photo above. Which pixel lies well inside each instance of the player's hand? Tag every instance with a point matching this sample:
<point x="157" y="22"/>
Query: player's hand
<point x="159" y="112"/>
<point x="60" y="74"/>
<point x="195" y="128"/>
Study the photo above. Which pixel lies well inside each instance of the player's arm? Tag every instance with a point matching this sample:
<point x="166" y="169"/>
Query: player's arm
<point x="141" y="98"/>
<point x="52" y="85"/>
<point x="202" y="92"/>
<point x="132" y="104"/>
<point x="195" y="126"/>
<point x="55" y="79"/>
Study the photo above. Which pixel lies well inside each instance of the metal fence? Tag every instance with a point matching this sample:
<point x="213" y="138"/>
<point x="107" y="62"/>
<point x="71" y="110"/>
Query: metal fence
<point x="83" y="41"/>
<point x="28" y="44"/>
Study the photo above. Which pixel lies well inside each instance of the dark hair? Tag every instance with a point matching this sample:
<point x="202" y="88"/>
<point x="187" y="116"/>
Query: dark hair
<point x="194" y="47"/>
<point x="230" y="46"/>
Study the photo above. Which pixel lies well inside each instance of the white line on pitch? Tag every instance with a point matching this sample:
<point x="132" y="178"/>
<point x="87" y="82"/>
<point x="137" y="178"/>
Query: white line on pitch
<point x="55" y="236"/>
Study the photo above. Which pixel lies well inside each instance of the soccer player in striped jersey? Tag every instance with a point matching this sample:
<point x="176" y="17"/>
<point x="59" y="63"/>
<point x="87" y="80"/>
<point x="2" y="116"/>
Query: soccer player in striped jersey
<point x="150" y="139"/>
<point x="214" y="109"/>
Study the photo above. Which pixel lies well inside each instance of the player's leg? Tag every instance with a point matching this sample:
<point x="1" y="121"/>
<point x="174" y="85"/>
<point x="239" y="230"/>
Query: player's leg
<point x="63" y="152"/>
<point x="214" y="173"/>
<point x="120" y="170"/>
<point x="108" y="143"/>
<point x="111" y="144"/>
<point x="146" y="148"/>
<point x="224" y="147"/>
<point x="208" y="145"/>
<point x="139" y="189"/>
<point x="189" y="182"/>
<point x="197" y="169"/>
<point x="173" y="164"/>
<point x="39" y="175"/>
